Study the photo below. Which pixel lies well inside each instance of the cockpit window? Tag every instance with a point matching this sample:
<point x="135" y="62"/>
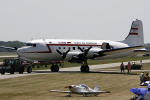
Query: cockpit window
<point x="34" y="45"/>
<point x="31" y="44"/>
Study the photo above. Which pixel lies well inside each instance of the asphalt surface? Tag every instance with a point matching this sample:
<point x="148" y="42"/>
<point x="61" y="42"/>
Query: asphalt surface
<point x="94" y="68"/>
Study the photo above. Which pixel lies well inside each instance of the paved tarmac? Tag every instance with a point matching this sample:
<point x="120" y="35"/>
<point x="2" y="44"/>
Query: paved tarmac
<point x="95" y="68"/>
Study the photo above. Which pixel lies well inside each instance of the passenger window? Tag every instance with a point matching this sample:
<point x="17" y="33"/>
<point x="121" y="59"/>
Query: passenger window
<point x="59" y="47"/>
<point x="64" y="48"/>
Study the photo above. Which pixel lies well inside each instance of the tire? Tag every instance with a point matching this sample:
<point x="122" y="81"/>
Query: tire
<point x="21" y="70"/>
<point x="84" y="68"/>
<point x="54" y="68"/>
<point x="29" y="69"/>
<point x="12" y="70"/>
<point x="2" y="71"/>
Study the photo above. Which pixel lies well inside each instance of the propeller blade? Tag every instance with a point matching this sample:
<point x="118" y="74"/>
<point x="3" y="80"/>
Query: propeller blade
<point x="80" y="49"/>
<point x="65" y="53"/>
<point x="58" y="51"/>
<point x="87" y="50"/>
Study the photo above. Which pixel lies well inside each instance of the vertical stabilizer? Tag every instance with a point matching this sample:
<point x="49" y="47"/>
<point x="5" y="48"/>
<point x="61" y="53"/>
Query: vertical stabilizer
<point x="96" y="88"/>
<point x="135" y="36"/>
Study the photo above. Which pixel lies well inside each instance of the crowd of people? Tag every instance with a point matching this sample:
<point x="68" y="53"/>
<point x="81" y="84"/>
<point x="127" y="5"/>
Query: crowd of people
<point x="128" y="66"/>
<point x="123" y="67"/>
<point x="144" y="77"/>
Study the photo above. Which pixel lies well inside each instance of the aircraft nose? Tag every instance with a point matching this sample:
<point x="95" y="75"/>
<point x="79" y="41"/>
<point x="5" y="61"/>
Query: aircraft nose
<point x="20" y="51"/>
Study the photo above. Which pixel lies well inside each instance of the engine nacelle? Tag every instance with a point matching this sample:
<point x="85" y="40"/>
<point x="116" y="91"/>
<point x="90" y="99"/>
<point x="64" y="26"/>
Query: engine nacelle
<point x="72" y="54"/>
<point x="93" y="52"/>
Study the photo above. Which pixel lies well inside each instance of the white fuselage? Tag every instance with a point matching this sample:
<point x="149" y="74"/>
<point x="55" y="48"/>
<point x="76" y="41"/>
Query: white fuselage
<point x="45" y="50"/>
<point x="81" y="88"/>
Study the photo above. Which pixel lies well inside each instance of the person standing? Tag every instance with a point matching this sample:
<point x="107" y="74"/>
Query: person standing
<point x="147" y="78"/>
<point x="141" y="64"/>
<point x="122" y="67"/>
<point x="142" y="77"/>
<point x="129" y="67"/>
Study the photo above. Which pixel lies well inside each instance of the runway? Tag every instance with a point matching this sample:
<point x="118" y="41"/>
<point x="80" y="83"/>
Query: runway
<point x="94" y="68"/>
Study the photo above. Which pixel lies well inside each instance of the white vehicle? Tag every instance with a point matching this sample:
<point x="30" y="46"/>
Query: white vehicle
<point x="81" y="89"/>
<point x="55" y="51"/>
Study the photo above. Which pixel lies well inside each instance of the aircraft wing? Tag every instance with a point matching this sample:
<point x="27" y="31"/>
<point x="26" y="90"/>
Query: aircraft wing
<point x="11" y="56"/>
<point x="8" y="48"/>
<point x="93" y="92"/>
<point x="119" y="50"/>
<point x="60" y="91"/>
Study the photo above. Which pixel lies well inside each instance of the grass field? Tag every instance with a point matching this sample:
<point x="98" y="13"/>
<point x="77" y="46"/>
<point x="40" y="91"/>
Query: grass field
<point x="36" y="87"/>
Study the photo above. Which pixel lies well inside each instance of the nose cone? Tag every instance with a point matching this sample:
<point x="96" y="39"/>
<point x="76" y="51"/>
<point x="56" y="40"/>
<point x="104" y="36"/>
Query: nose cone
<point x="20" y="51"/>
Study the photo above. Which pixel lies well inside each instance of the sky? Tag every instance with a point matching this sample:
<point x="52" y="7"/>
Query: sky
<point x="25" y="20"/>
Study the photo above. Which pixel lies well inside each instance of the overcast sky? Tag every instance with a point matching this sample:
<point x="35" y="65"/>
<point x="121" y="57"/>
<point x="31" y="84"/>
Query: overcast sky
<point x="25" y="20"/>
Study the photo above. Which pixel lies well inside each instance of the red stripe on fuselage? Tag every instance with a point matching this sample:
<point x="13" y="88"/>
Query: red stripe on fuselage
<point x="73" y="45"/>
<point x="134" y="28"/>
<point x="133" y="33"/>
<point x="50" y="51"/>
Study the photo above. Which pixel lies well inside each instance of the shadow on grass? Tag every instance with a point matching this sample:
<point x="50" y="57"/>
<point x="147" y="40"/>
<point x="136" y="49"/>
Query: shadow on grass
<point x="101" y="72"/>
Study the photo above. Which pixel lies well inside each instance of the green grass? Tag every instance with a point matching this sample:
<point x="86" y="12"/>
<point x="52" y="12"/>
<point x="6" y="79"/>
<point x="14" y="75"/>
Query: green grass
<point x="36" y="87"/>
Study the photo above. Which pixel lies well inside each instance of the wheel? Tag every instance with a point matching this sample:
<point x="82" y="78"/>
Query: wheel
<point x="84" y="68"/>
<point x="12" y="70"/>
<point x="54" y="68"/>
<point x="46" y="66"/>
<point x="21" y="70"/>
<point x="29" y="69"/>
<point x="2" y="71"/>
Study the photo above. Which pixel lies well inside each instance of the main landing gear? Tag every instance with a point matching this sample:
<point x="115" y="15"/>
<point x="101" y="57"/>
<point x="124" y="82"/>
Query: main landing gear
<point x="54" y="68"/>
<point x="84" y="67"/>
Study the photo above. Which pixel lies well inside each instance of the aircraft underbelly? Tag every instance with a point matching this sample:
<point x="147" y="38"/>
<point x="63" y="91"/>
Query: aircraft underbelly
<point x="50" y="57"/>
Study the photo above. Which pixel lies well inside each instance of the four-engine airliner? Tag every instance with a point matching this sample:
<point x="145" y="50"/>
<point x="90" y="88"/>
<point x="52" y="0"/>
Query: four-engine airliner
<point x="55" y="51"/>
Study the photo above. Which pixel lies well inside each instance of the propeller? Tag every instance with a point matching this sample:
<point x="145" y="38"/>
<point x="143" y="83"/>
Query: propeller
<point x="85" y="51"/>
<point x="63" y="54"/>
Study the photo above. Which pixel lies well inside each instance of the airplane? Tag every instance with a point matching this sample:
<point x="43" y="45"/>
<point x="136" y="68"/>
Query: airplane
<point x="56" y="51"/>
<point x="81" y="89"/>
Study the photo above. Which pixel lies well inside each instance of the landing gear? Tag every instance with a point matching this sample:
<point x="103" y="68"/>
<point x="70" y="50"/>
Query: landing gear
<point x="55" y="68"/>
<point x="85" y="67"/>
<point x="29" y="69"/>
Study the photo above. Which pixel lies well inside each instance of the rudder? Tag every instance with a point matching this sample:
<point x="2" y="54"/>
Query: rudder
<point x="135" y="36"/>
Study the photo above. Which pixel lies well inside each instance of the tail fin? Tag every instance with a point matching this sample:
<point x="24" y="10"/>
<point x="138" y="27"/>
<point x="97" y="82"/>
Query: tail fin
<point x="96" y="88"/>
<point x="135" y="36"/>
